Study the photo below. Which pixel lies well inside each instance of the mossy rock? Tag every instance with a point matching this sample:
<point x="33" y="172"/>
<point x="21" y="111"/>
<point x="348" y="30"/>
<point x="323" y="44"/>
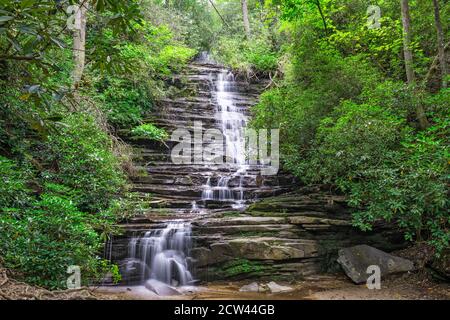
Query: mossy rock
<point x="240" y="268"/>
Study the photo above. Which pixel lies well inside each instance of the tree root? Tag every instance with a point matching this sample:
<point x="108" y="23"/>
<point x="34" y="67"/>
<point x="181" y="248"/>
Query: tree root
<point x="11" y="289"/>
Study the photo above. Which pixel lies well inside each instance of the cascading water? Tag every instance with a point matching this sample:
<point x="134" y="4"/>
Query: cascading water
<point x="161" y="254"/>
<point x="232" y="123"/>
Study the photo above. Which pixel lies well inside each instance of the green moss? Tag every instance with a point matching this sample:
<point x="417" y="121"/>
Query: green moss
<point x="242" y="266"/>
<point x="267" y="214"/>
<point x="246" y="234"/>
<point x="231" y="214"/>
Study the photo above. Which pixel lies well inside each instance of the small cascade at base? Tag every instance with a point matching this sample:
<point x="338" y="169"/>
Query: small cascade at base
<point x="162" y="254"/>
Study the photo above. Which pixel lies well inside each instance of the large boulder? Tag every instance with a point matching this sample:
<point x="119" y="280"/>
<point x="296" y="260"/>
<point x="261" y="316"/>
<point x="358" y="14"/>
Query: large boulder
<point x="355" y="261"/>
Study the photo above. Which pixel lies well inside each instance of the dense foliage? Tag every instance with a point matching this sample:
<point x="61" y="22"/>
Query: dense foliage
<point x="64" y="184"/>
<point x="348" y="119"/>
<point x="233" y="48"/>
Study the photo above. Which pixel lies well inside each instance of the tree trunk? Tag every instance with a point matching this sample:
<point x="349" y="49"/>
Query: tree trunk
<point x="406" y="20"/>
<point x="245" y="17"/>
<point x="440" y="43"/>
<point x="319" y="7"/>
<point x="79" y="42"/>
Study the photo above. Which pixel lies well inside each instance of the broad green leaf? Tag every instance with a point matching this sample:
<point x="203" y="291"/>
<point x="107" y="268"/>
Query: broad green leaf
<point x="5" y="18"/>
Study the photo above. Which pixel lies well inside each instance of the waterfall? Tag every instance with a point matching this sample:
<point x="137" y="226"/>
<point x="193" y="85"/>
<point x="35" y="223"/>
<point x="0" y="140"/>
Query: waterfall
<point x="232" y="123"/>
<point x="208" y="192"/>
<point x="108" y="248"/>
<point x="205" y="57"/>
<point x="161" y="254"/>
<point x="194" y="208"/>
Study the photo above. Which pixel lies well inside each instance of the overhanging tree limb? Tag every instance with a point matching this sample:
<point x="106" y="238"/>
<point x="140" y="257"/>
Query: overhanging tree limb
<point x="221" y="17"/>
<point x="12" y="57"/>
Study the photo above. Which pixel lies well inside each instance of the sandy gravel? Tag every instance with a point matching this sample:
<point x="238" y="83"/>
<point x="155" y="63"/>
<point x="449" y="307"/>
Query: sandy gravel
<point x="406" y="287"/>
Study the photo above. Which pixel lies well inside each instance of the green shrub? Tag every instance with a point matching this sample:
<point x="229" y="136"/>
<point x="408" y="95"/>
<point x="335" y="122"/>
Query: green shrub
<point x="393" y="96"/>
<point x="13" y="189"/>
<point x="44" y="240"/>
<point x="85" y="163"/>
<point x="63" y="218"/>
<point x="172" y="58"/>
<point x="260" y="55"/>
<point x="358" y="139"/>
<point x="150" y="131"/>
<point x="124" y="102"/>
<point x="389" y="172"/>
<point x="148" y="60"/>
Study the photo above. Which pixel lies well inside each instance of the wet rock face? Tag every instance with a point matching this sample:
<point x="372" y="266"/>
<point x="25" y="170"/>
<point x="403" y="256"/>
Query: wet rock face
<point x="181" y="184"/>
<point x="356" y="260"/>
<point x="282" y="234"/>
<point x="270" y="249"/>
<point x="289" y="236"/>
<point x="189" y="190"/>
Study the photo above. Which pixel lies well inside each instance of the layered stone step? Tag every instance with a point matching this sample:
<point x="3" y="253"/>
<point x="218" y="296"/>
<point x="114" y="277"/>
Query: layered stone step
<point x="196" y="191"/>
<point x="284" y="232"/>
<point x="200" y="179"/>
